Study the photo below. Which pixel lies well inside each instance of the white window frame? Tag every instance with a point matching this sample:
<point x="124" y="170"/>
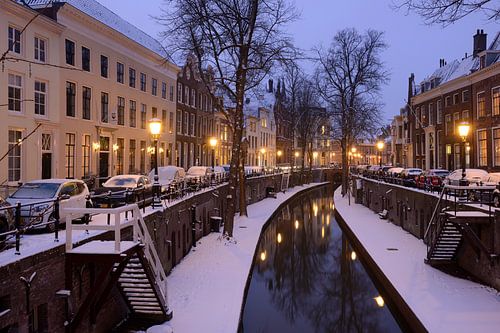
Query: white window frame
<point x="38" y="51"/>
<point x="14" y="85"/>
<point x="492" y="101"/>
<point x="477" y="104"/>
<point x="40" y="93"/>
<point x="478" y="147"/>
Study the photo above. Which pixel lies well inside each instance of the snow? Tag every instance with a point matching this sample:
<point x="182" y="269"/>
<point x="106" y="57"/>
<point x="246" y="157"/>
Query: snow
<point x="443" y="303"/>
<point x="102" y="14"/>
<point x="206" y="289"/>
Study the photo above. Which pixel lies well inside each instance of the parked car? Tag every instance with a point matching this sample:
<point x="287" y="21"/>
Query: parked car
<point x="393" y="175"/>
<point x="37" y="198"/>
<point x="409" y="175"/>
<point x="220" y="171"/>
<point x="124" y="189"/>
<point x="7" y="222"/>
<point x="486" y="196"/>
<point x="253" y="170"/>
<point x="431" y="179"/>
<point x="472" y="176"/>
<point x="199" y="175"/>
<point x="168" y="176"/>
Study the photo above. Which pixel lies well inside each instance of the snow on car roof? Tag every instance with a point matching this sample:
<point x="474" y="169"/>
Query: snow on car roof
<point x="54" y="180"/>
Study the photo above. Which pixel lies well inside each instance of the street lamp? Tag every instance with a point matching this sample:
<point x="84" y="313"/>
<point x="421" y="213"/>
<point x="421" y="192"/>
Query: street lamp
<point x="278" y="154"/>
<point x="155" y="130"/>
<point x="213" y="144"/>
<point x="380" y="146"/>
<point x="463" y="131"/>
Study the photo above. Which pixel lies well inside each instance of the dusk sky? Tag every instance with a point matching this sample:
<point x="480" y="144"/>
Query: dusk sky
<point x="413" y="46"/>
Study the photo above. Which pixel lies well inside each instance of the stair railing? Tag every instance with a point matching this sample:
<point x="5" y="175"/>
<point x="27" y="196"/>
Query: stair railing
<point x="141" y="231"/>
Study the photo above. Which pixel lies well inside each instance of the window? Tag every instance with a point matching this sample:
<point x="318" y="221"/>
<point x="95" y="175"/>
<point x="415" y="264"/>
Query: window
<point x="143" y="157"/>
<point x="162" y="154"/>
<point x="70" y="52"/>
<point x="458" y="161"/>
<point x="119" y="72"/>
<point x="185" y="99"/>
<point x="40" y="49"/>
<point x="154" y="112"/>
<point x="456" y="120"/>
<point x="119" y="155"/>
<point x="192" y="124"/>
<point x="14" y="40"/>
<point x="86" y="96"/>
<point x="179" y="92"/>
<point x="495" y="101"/>
<point x="171" y="95"/>
<point x="121" y="110"/>
<point x="465" y="96"/>
<point x="447" y="124"/>
<point x="70" y="99"/>
<point x="179" y="122"/>
<point x="104" y="107"/>
<point x="264" y="122"/>
<point x="85" y="59"/>
<point x="40" y="97"/>
<point x="171" y="123"/>
<point x="496" y="147"/>
<point x="86" y="155"/>
<point x="439" y="112"/>
<point x="192" y="100"/>
<point x="104" y="66"/>
<point x="131" y="156"/>
<point x="15" y="92"/>
<point x="482" y="148"/>
<point x="465" y="115"/>
<point x="132" y="114"/>
<point x="185" y="123"/>
<point x="143" y="82"/>
<point x="432" y="117"/>
<point x="481" y="105"/>
<point x="154" y="87"/>
<point x="447" y="101"/>
<point x="70" y="155"/>
<point x="164" y="90"/>
<point x="15" y="138"/>
<point x="143" y="116"/>
<point x="131" y="77"/>
<point x="455" y="99"/>
<point x="164" y="120"/>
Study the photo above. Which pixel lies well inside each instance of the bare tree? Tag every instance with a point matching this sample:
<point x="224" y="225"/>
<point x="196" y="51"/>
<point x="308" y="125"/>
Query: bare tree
<point x="309" y="116"/>
<point x="349" y="77"/>
<point x="445" y="12"/>
<point x="240" y="40"/>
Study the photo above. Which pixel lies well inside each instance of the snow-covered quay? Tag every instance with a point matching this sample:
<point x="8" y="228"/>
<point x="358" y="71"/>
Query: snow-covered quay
<point x="206" y="289"/>
<point x="441" y="302"/>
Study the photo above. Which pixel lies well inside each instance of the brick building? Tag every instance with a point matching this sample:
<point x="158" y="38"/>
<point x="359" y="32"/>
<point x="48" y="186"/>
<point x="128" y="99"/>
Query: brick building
<point x="466" y="90"/>
<point x="195" y="117"/>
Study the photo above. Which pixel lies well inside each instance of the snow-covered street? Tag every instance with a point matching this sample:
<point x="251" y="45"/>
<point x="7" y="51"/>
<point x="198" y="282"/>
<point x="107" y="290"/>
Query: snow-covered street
<point x="206" y="289"/>
<point x="442" y="302"/>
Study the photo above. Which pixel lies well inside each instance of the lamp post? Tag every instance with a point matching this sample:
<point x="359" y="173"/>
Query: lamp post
<point x="278" y="154"/>
<point x="315" y="156"/>
<point x="213" y="144"/>
<point x="296" y="156"/>
<point x="463" y="131"/>
<point x="380" y="146"/>
<point x="262" y="152"/>
<point x="155" y="130"/>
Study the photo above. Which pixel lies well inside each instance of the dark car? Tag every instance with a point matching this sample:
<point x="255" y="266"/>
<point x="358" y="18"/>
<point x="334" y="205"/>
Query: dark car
<point x="431" y="180"/>
<point x="123" y="189"/>
<point x="409" y="175"/>
<point x="7" y="222"/>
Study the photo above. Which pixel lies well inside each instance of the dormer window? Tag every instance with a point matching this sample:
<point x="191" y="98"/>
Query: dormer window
<point x="482" y="62"/>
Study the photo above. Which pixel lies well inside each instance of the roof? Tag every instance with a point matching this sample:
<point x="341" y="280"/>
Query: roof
<point x="107" y="17"/>
<point x="256" y="99"/>
<point x="459" y="68"/>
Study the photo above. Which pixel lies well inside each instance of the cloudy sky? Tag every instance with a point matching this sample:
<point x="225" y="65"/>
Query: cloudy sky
<point x="413" y="46"/>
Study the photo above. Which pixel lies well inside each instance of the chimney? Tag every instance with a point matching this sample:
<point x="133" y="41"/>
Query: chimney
<point x="411" y="83"/>
<point x="270" y="87"/>
<point x="479" y="42"/>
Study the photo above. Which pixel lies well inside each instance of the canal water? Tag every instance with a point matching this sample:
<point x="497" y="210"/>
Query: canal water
<point x="307" y="278"/>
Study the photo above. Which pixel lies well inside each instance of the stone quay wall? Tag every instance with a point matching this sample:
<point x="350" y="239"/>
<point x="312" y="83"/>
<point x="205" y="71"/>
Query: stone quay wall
<point x="412" y="210"/>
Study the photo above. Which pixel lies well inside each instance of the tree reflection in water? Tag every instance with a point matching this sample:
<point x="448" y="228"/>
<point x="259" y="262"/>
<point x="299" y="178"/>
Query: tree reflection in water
<point x="308" y="280"/>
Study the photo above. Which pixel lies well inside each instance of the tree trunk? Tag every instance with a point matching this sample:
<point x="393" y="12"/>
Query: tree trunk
<point x="345" y="166"/>
<point x="241" y="170"/>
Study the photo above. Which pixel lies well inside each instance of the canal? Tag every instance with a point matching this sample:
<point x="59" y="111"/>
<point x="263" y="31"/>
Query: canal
<point x="307" y="278"/>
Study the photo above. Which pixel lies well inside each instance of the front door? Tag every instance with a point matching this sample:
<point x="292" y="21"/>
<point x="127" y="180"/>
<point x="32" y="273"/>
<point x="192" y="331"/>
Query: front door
<point x="46" y="165"/>
<point x="104" y="164"/>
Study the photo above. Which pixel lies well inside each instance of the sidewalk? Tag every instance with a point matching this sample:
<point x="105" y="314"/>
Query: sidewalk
<point x="442" y="302"/>
<point x="206" y="289"/>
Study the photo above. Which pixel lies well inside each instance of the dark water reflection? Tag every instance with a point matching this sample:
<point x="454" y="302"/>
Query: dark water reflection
<point x="307" y="278"/>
